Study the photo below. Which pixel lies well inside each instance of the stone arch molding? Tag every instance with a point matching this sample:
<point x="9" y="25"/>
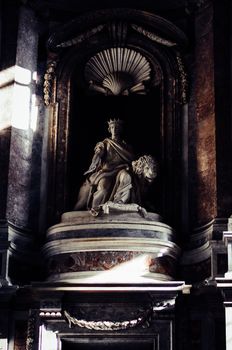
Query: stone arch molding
<point x="113" y="64"/>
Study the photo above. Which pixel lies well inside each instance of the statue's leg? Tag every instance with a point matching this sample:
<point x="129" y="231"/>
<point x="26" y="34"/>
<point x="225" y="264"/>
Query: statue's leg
<point x="103" y="192"/>
<point x="122" y="188"/>
<point x="83" y="196"/>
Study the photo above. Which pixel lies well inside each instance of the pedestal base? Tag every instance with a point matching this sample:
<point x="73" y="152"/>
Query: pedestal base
<point x="111" y="248"/>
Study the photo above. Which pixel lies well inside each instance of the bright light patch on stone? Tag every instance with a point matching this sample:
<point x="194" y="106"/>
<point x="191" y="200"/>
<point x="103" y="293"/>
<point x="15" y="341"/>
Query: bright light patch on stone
<point x="34" y="113"/>
<point x="34" y="76"/>
<point x="3" y="344"/>
<point x="21" y="107"/>
<point x="7" y="77"/>
<point x="22" y="75"/>
<point x="48" y="339"/>
<point x="129" y="271"/>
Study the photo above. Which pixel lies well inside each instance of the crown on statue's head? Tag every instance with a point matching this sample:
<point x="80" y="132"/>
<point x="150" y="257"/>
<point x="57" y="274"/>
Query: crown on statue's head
<point x="115" y="122"/>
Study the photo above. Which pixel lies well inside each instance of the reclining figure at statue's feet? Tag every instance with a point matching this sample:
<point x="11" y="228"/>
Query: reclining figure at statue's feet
<point x="115" y="180"/>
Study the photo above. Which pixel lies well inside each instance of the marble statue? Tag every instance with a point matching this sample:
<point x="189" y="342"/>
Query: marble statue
<point x="110" y="156"/>
<point x="115" y="180"/>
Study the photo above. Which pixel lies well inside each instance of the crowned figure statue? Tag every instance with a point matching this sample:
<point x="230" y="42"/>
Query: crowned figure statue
<point x="114" y="176"/>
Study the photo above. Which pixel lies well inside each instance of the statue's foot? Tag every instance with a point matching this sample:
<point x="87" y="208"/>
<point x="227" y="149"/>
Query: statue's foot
<point x="142" y="211"/>
<point x="94" y="211"/>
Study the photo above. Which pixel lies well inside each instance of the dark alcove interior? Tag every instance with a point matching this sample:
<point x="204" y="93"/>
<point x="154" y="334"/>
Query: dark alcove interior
<point x="88" y="125"/>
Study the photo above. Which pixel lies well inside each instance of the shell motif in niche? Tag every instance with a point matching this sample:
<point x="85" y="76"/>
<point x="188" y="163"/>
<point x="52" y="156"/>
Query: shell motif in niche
<point x="118" y="71"/>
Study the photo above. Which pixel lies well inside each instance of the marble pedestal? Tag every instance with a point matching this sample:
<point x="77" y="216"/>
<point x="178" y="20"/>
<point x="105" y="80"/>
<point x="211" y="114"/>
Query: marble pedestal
<point x="114" y="248"/>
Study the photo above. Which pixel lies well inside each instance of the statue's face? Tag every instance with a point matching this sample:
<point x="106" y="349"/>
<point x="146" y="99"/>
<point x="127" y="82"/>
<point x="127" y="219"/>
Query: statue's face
<point x="115" y="129"/>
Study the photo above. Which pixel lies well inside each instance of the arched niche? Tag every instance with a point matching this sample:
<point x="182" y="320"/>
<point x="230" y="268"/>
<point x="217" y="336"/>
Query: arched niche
<point x="78" y="117"/>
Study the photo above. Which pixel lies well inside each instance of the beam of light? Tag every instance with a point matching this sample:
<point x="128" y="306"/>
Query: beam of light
<point x="21" y="107"/>
<point x="48" y="339"/>
<point x="35" y="76"/>
<point x="7" y="78"/>
<point x="229" y="327"/>
<point x="135" y="270"/>
<point x="3" y="344"/>
<point x="23" y="76"/>
<point x="21" y="99"/>
<point x="34" y="113"/>
<point x="25" y="108"/>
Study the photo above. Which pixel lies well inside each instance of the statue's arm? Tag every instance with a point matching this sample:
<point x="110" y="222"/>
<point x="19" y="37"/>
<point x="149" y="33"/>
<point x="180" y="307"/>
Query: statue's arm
<point x="99" y="151"/>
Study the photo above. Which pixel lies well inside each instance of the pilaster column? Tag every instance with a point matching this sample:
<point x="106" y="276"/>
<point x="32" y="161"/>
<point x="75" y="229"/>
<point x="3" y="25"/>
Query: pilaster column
<point x="22" y="185"/>
<point x="23" y="200"/>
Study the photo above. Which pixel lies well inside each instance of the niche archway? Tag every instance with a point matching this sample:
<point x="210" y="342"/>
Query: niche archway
<point x="153" y="119"/>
